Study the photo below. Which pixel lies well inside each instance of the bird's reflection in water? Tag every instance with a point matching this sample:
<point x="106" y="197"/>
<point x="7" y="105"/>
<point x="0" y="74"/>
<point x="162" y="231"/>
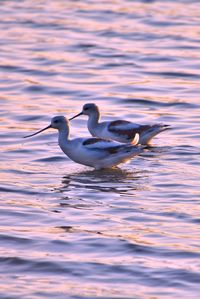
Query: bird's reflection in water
<point x="94" y="185"/>
<point x="103" y="180"/>
<point x="97" y="199"/>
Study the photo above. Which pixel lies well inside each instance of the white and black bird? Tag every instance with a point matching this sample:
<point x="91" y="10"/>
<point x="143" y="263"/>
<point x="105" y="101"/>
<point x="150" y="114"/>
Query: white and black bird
<point x="94" y="152"/>
<point x="119" y="130"/>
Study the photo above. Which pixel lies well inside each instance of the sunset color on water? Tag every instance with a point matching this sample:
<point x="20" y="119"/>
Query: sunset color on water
<point x="69" y="231"/>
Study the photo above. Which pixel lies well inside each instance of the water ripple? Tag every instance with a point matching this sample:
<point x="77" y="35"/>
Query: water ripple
<point x="71" y="232"/>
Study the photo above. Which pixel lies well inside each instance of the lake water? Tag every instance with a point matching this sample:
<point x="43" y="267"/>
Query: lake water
<point x="67" y="231"/>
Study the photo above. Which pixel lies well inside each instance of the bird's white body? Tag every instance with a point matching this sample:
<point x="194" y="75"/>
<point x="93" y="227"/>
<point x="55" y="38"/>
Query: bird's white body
<point x="99" y="154"/>
<point x="102" y="130"/>
<point x="94" y="152"/>
<point x="119" y="130"/>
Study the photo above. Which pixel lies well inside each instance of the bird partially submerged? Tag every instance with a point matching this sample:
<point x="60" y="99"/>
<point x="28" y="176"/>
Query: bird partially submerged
<point x="94" y="152"/>
<point x="119" y="130"/>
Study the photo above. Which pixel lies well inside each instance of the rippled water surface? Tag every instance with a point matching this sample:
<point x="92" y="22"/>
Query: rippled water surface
<point x="67" y="231"/>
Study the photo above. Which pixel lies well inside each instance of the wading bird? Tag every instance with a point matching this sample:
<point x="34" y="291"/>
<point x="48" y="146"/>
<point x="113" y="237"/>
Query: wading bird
<point x="94" y="152"/>
<point x="119" y="130"/>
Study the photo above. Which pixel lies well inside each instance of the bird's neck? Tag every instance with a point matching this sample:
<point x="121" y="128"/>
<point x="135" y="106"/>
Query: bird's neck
<point x="63" y="138"/>
<point x="93" y="120"/>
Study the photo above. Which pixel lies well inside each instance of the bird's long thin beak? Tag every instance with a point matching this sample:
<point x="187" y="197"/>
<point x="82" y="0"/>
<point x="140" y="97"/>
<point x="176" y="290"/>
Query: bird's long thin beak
<point x="37" y="132"/>
<point x="76" y="116"/>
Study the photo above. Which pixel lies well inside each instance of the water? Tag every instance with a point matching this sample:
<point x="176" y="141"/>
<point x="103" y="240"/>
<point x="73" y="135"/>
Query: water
<point x="68" y="231"/>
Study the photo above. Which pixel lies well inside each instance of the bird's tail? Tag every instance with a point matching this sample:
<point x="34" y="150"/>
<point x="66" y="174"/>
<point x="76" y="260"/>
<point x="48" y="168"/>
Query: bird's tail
<point x="153" y="130"/>
<point x="124" y="155"/>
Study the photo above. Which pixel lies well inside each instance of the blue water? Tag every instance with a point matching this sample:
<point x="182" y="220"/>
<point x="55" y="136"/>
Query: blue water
<point x="67" y="231"/>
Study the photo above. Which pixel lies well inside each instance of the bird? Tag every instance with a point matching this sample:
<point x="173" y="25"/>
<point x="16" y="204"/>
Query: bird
<point x="95" y="152"/>
<point x="119" y="130"/>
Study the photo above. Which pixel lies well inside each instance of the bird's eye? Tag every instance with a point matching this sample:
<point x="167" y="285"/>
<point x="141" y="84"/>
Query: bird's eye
<point x="56" y="121"/>
<point x="86" y="108"/>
